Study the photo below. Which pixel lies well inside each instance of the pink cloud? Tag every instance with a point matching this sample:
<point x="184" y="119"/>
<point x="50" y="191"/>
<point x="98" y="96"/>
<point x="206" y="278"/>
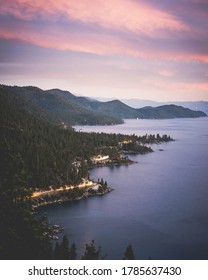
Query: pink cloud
<point x="98" y="44"/>
<point x="134" y="16"/>
<point x="134" y="19"/>
<point x="174" y="86"/>
<point x="165" y="73"/>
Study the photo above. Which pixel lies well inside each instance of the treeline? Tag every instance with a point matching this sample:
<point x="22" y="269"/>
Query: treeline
<point x="64" y="251"/>
<point x="155" y="138"/>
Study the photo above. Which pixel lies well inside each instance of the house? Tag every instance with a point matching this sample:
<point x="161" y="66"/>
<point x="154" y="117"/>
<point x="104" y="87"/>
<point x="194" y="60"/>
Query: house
<point x="99" y="159"/>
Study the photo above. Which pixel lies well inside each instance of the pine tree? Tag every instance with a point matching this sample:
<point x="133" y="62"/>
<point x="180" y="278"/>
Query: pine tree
<point x="64" y="249"/>
<point x="73" y="253"/>
<point x="129" y="254"/>
<point x="56" y="251"/>
<point x="91" y="252"/>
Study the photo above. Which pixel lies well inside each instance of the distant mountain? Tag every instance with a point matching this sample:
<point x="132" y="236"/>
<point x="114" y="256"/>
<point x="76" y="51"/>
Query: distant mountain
<point x="114" y="108"/>
<point x="60" y="107"/>
<point x="134" y="102"/>
<point x="193" y="105"/>
<point x="140" y="103"/>
<point x="119" y="109"/>
<point x="168" y="112"/>
<point x="65" y="109"/>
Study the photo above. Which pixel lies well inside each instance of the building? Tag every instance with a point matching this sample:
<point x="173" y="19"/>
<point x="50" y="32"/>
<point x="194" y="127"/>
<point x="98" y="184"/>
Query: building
<point x="99" y="159"/>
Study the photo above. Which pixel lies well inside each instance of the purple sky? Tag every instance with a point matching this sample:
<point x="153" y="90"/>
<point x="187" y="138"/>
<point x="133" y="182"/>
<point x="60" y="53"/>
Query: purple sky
<point x="155" y="49"/>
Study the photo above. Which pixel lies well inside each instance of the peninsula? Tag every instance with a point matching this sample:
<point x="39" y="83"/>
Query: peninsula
<point x="66" y="193"/>
<point x="118" y="155"/>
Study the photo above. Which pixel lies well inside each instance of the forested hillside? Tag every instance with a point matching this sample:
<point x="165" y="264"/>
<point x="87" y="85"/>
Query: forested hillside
<point x="37" y="153"/>
<point x="61" y="107"/>
<point x="64" y="109"/>
<point x="49" y="152"/>
<point x="168" y="112"/>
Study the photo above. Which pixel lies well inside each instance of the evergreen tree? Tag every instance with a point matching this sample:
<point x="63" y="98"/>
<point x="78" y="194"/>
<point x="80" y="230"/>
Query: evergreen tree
<point x="91" y="252"/>
<point x="56" y="251"/>
<point x="64" y="249"/>
<point x="129" y="254"/>
<point x="73" y="252"/>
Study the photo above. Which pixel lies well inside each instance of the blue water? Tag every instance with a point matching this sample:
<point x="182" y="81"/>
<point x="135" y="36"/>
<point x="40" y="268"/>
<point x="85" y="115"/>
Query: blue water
<point x="160" y="203"/>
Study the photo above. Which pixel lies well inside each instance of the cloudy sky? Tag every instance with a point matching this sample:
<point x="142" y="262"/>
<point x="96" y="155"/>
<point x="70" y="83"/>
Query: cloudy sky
<point x="147" y="49"/>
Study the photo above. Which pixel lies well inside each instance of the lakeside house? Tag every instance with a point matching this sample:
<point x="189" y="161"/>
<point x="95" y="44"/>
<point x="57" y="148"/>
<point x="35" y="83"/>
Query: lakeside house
<point x="100" y="159"/>
<point x="125" y="142"/>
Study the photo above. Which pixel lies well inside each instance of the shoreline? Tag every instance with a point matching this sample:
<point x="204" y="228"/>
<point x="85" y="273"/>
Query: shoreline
<point x="61" y="195"/>
<point x="87" y="188"/>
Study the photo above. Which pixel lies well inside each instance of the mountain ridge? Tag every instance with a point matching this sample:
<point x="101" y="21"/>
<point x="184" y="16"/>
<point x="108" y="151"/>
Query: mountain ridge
<point x="59" y="109"/>
<point x="119" y="109"/>
<point x="140" y="103"/>
<point x="193" y="105"/>
<point x="64" y="108"/>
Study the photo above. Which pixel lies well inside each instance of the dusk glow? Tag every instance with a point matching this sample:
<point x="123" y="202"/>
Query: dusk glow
<point x="120" y="48"/>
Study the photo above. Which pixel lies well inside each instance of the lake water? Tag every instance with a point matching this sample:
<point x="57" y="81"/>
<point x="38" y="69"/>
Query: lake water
<point x="160" y="203"/>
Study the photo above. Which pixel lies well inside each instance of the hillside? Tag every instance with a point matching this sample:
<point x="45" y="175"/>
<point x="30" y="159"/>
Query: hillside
<point x="113" y="108"/>
<point x="193" y="105"/>
<point x="47" y="154"/>
<point x="118" y="109"/>
<point x="65" y="109"/>
<point x="168" y="112"/>
<point x="57" y="106"/>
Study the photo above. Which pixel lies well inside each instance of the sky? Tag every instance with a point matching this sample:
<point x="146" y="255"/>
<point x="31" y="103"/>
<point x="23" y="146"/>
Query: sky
<point x="146" y="49"/>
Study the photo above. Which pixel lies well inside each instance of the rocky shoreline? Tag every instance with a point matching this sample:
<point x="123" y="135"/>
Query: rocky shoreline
<point x="67" y="196"/>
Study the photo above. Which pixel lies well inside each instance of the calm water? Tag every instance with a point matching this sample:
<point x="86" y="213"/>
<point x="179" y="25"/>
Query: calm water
<point x="160" y="203"/>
